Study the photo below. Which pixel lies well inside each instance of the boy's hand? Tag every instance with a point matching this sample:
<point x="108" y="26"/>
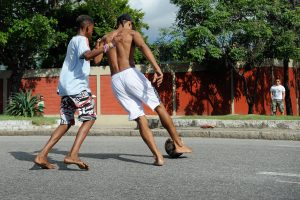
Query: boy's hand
<point x="158" y="78"/>
<point x="98" y="44"/>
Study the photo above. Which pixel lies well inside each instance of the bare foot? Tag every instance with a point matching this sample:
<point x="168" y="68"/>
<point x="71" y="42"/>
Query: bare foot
<point x="182" y="149"/>
<point x="68" y="160"/>
<point x="42" y="162"/>
<point x="159" y="161"/>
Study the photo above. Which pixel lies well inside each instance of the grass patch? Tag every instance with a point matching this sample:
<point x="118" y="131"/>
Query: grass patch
<point x="39" y="121"/>
<point x="242" y="117"/>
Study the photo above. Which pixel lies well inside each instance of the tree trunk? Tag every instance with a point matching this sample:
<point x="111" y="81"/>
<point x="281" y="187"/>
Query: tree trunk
<point x="250" y="98"/>
<point x="250" y="108"/>
<point x="16" y="78"/>
<point x="288" y="102"/>
<point x="253" y="97"/>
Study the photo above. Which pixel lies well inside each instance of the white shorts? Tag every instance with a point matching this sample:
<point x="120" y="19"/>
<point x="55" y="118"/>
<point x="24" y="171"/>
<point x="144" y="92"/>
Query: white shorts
<point x="132" y="89"/>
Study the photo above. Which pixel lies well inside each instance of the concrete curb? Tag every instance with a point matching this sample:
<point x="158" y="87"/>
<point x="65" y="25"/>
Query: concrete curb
<point x="281" y="124"/>
<point x="267" y="134"/>
<point x="242" y="129"/>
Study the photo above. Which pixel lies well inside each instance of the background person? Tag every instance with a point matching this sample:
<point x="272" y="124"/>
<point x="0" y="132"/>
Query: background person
<point x="41" y="106"/>
<point x="277" y="96"/>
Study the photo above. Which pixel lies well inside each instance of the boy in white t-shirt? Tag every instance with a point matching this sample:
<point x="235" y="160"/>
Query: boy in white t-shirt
<point x="277" y="97"/>
<point x="75" y="93"/>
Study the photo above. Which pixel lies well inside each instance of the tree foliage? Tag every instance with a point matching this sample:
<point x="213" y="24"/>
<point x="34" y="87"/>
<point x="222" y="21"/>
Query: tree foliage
<point x="238" y="31"/>
<point x="35" y="34"/>
<point x="285" y="23"/>
<point x="235" y="30"/>
<point x="25" y="32"/>
<point x="168" y="46"/>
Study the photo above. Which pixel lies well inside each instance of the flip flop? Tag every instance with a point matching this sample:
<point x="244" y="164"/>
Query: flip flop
<point x="45" y="165"/>
<point x="80" y="164"/>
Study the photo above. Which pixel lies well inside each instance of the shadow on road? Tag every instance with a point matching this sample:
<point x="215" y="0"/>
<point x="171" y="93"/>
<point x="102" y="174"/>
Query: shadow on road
<point x="27" y="156"/>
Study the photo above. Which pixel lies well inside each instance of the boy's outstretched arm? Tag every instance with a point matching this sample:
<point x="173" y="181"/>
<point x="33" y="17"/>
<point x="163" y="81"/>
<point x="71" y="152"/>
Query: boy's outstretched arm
<point x="140" y="43"/>
<point x="99" y="49"/>
<point x="89" y="55"/>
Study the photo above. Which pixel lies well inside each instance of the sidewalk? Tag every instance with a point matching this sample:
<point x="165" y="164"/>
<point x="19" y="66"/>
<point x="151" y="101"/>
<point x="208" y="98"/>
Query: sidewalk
<point x="239" y="129"/>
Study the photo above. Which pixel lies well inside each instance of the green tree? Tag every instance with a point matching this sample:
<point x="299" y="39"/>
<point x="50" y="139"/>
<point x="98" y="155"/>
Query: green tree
<point x="104" y="13"/>
<point x="285" y="43"/>
<point x="228" y="31"/>
<point x="169" y="45"/>
<point x="232" y="32"/>
<point x="35" y="34"/>
<point x="28" y="41"/>
<point x="251" y="34"/>
<point x="26" y="36"/>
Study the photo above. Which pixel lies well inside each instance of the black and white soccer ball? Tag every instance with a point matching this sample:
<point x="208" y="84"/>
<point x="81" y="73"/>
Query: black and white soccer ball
<point x="170" y="149"/>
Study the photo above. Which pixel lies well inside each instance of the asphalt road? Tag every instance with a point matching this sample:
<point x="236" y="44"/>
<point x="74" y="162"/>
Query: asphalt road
<point x="121" y="168"/>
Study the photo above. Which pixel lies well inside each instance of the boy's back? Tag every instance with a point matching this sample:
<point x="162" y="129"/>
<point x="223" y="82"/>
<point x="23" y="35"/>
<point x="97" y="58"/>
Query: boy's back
<point x="120" y="57"/>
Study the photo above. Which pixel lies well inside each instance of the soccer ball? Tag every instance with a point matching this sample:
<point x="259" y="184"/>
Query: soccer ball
<point x="170" y="147"/>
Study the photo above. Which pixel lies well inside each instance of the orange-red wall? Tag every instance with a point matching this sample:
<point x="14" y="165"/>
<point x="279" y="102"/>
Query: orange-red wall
<point x="109" y="104"/>
<point x="47" y="87"/>
<point x="93" y="86"/>
<point x="200" y="93"/>
<point x="203" y="93"/>
<point x="263" y="98"/>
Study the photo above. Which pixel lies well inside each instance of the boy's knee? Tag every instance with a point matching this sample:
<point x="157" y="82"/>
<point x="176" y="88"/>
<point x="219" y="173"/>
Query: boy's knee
<point x="159" y="107"/>
<point x="91" y="121"/>
<point x="140" y="119"/>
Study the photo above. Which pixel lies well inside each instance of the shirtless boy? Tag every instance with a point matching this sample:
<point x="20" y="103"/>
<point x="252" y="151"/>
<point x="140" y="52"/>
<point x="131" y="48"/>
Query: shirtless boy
<point x="132" y="88"/>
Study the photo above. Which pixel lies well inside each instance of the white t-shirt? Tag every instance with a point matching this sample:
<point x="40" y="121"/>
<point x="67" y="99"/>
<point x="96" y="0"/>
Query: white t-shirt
<point x="74" y="75"/>
<point x="277" y="91"/>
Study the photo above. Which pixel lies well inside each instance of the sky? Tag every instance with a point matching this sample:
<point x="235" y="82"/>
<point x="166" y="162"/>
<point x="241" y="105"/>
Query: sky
<point x="158" y="14"/>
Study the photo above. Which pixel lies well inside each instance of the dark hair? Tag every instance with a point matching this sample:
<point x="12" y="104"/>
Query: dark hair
<point x="124" y="18"/>
<point x="83" y="20"/>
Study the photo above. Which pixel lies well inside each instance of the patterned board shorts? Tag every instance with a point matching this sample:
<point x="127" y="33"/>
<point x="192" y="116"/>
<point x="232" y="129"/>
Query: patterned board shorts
<point x="82" y="102"/>
<point x="278" y="103"/>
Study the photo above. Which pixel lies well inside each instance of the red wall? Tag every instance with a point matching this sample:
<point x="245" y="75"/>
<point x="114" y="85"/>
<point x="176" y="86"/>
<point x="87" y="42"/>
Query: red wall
<point x="262" y="102"/>
<point x="93" y="86"/>
<point x="200" y="93"/>
<point x="165" y="92"/>
<point x="197" y="93"/>
<point x="47" y="87"/>
<point x="109" y="104"/>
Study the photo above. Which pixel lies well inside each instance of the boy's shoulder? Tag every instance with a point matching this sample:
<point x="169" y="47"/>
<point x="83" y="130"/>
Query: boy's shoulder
<point x="79" y="37"/>
<point x="78" y="40"/>
<point x="282" y="87"/>
<point x="110" y="34"/>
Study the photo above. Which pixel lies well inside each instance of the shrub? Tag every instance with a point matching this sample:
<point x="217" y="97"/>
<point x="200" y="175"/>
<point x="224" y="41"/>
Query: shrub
<point x="23" y="104"/>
